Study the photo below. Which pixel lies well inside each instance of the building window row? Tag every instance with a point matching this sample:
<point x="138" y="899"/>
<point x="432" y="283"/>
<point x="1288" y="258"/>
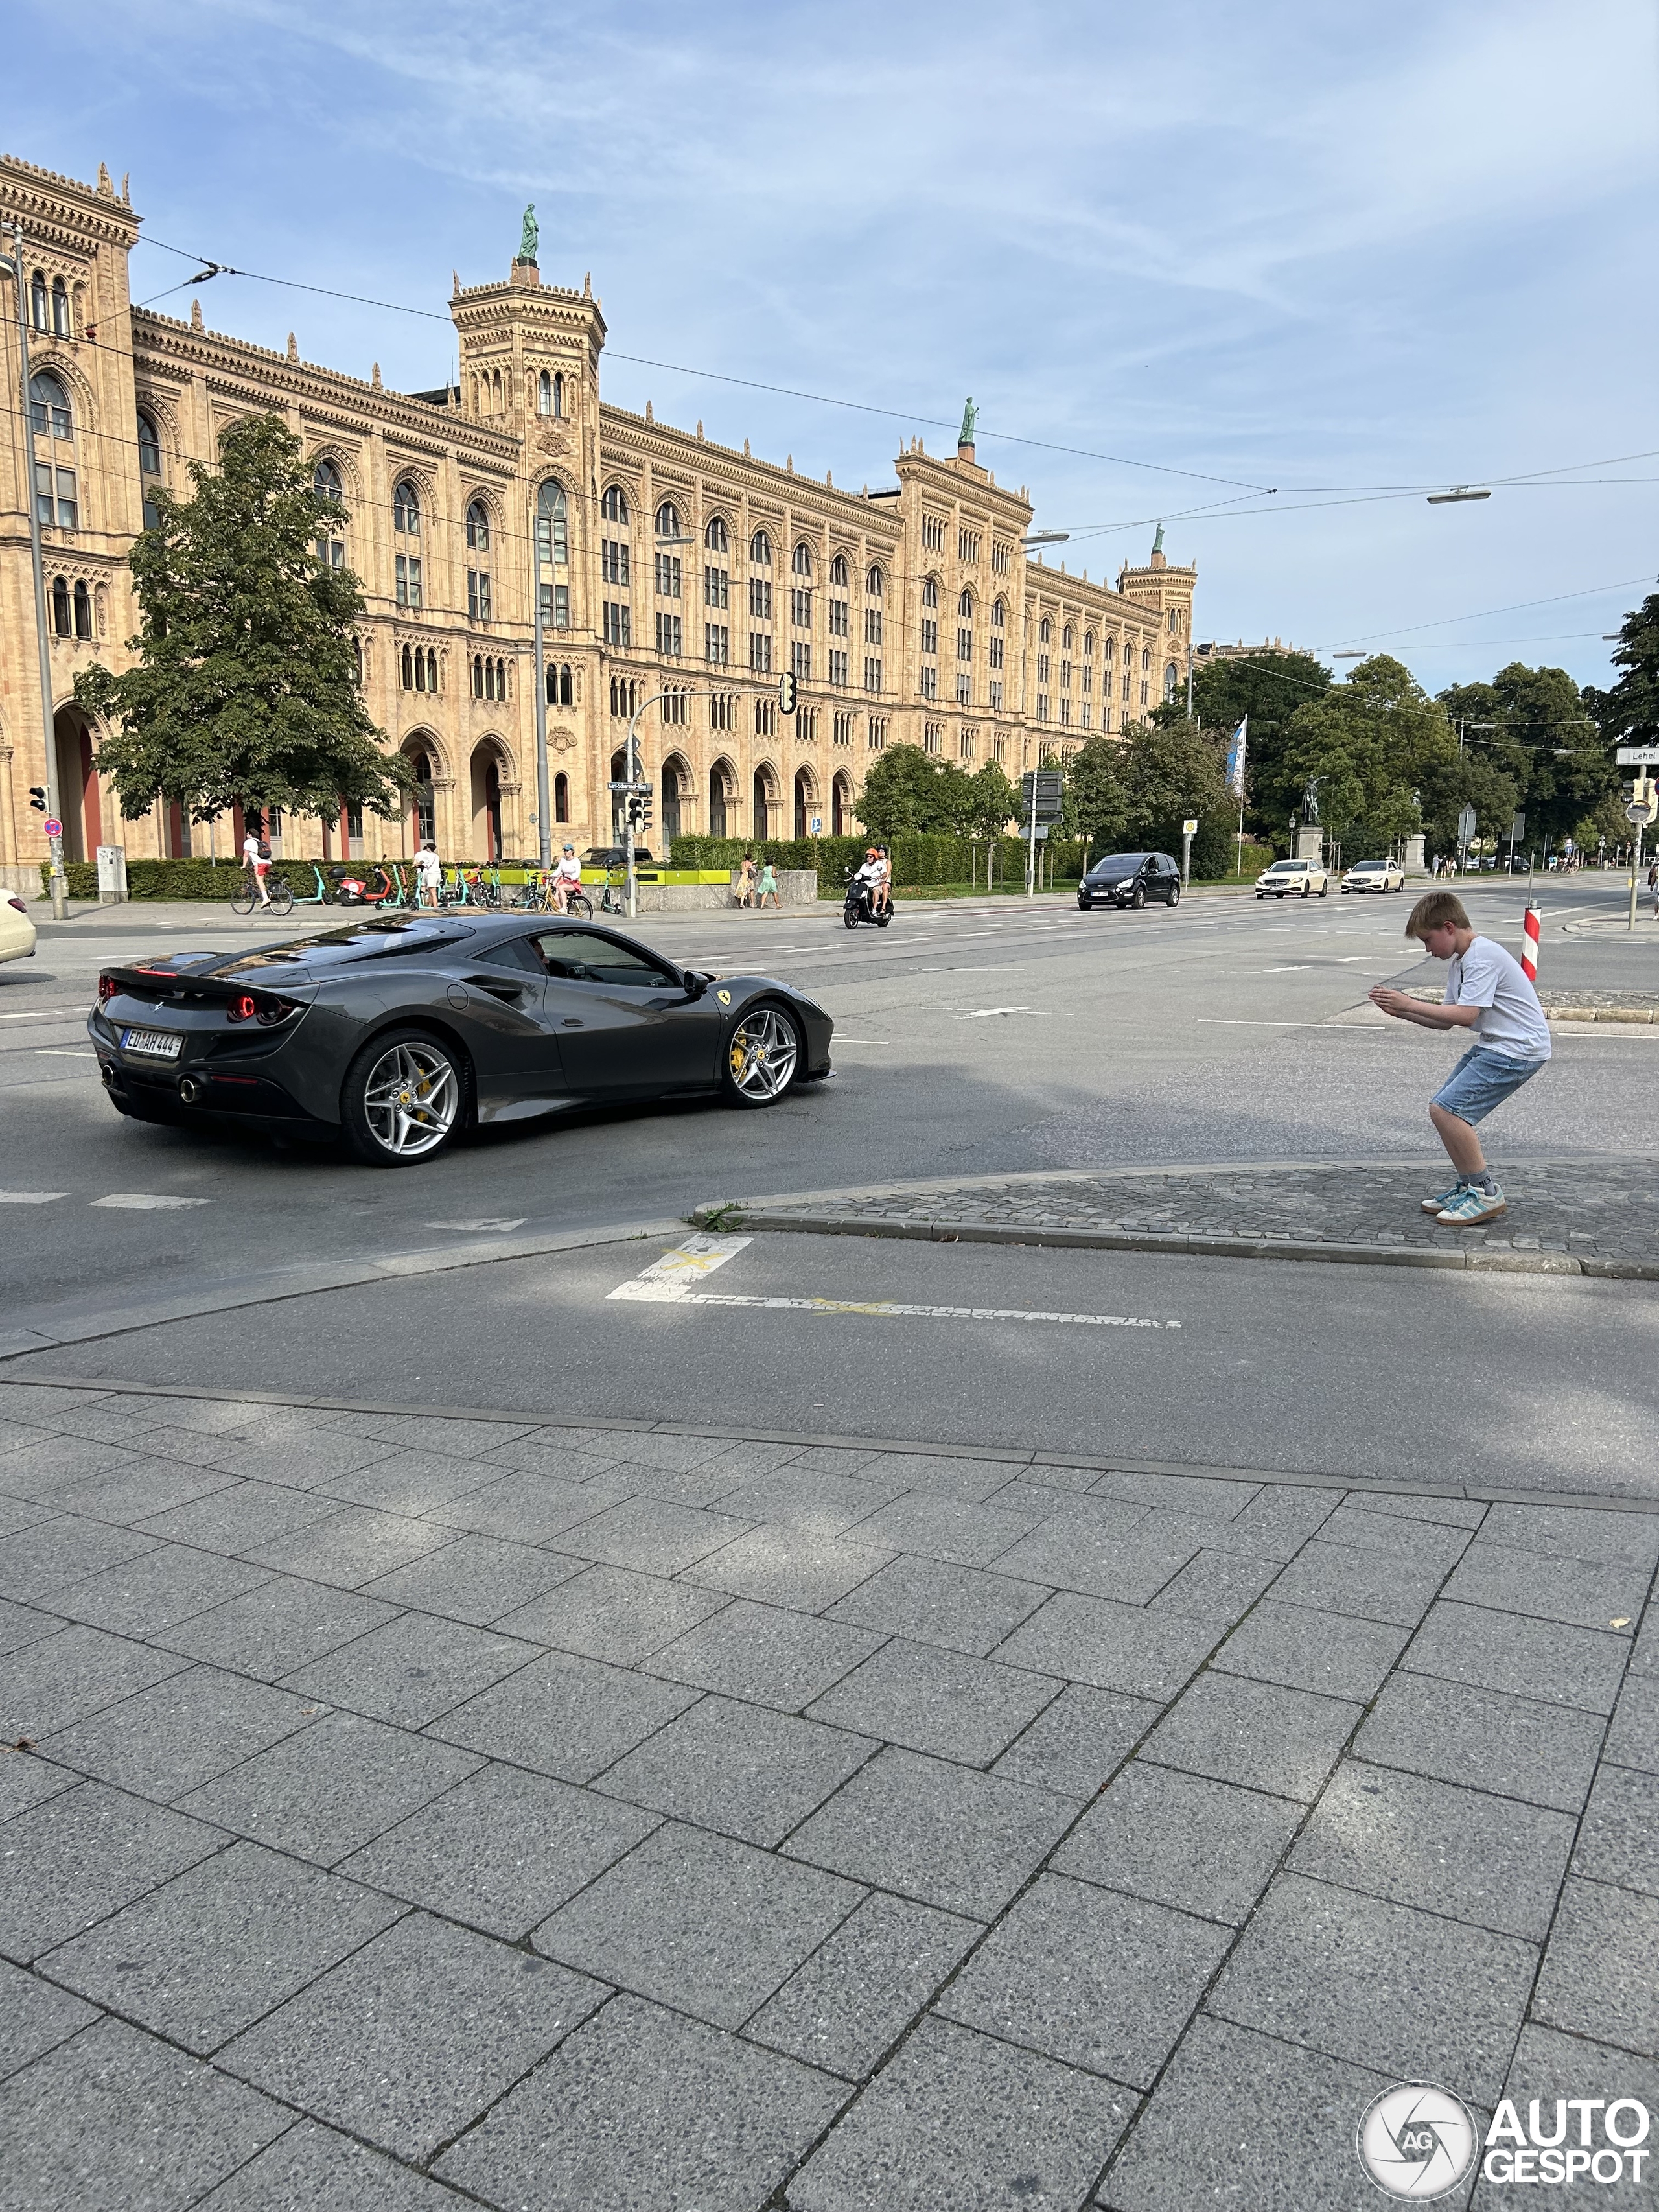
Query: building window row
<point x="561" y="685"/>
<point x="626" y="693"/>
<point x="932" y="734"/>
<point x="555" y="606"/>
<point x="550" y="393"/>
<point x="877" y="734"/>
<point x="72" y="611"/>
<point x="419" y="667"/>
<point x="968" y="548"/>
<point x="933" y="533"/>
<point x="716" y="644"/>
<point x="488" y="678"/>
<point x="618" y="622"/>
<point x="669" y="635"/>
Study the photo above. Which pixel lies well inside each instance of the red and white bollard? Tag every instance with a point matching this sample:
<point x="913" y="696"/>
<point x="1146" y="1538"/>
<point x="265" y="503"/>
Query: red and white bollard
<point x="1530" y="947"/>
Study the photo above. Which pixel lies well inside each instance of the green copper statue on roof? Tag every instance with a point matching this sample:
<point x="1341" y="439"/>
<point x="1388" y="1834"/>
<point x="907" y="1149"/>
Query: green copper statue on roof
<point x="531" y="236"/>
<point x="970" y="419"/>
<point x="1158" y="542"/>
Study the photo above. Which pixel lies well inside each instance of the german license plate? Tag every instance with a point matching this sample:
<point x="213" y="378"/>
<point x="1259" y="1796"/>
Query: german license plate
<point x="154" y="1044"/>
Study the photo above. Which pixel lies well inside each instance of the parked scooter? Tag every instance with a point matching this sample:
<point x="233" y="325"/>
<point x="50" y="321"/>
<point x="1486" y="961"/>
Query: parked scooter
<point x="351" y="889"/>
<point x="858" y="908"/>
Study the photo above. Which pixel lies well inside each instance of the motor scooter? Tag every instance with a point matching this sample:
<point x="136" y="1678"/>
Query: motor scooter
<point x="858" y="908"/>
<point x="351" y="889"/>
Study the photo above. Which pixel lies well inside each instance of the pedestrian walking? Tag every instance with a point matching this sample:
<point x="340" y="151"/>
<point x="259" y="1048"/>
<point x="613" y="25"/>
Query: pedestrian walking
<point x="768" y="886"/>
<point x="1487" y="993"/>
<point x="1653" y="888"/>
<point x="746" y="879"/>
<point x="256" y="857"/>
<point x="429" y="874"/>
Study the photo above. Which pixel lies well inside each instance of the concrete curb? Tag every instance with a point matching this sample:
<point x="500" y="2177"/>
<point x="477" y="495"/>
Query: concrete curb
<point x="942" y="1229"/>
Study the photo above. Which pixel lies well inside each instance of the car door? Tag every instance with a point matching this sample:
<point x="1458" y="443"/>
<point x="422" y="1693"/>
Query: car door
<point x="515" y="1044"/>
<point x="624" y="1021"/>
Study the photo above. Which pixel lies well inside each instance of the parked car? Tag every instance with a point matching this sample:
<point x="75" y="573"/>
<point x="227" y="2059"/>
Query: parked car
<point x="1292" y="879"/>
<point x="615" y="856"/>
<point x="1374" y="876"/>
<point x="1130" y="879"/>
<point x="16" y="930"/>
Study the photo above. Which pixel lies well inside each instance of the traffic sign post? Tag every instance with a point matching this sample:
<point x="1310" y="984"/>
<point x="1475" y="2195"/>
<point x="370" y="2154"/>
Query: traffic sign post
<point x="1466" y="828"/>
<point x="1188" y="831"/>
<point x="1043" y="792"/>
<point x="1640" y="811"/>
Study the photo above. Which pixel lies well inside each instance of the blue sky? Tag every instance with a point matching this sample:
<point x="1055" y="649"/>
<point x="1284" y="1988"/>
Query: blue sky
<point x="1326" y="250"/>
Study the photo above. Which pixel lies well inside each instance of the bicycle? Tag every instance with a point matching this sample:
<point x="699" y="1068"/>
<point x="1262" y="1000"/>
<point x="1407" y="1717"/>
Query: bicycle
<point x="246" y="896"/>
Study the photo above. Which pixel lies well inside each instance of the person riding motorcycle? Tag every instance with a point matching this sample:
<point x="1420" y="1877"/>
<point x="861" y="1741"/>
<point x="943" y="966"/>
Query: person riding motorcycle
<point x="883" y="893"/>
<point x="566" y="877"/>
<point x="870" y="879"/>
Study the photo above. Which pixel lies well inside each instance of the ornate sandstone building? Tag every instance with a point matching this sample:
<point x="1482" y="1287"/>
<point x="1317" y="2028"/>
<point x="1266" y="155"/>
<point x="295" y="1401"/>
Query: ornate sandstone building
<point x="909" y="613"/>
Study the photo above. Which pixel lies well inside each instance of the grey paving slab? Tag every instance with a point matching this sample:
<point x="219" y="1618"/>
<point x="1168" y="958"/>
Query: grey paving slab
<point x="412" y="1669"/>
<point x="27" y="1779"/>
<point x="1633" y="1739"/>
<point x="501" y="1850"/>
<point x="1049" y="1492"/>
<point x="1075" y="1743"/>
<point x="1068" y="1553"/>
<point x="1598" y="1977"/>
<point x="738" y="1769"/>
<point x="1514" y="1745"/>
<point x="39" y="1470"/>
<point x="349" y="1547"/>
<point x="578" y="1456"/>
<point x="1305" y="1650"/>
<point x="670" y="1454"/>
<point x="168" y="1583"/>
<point x="564" y="1716"/>
<point x="1090" y="1976"/>
<point x="847" y="1459"/>
<point x="54" y="1681"/>
<point x="641" y="2108"/>
<point x="1216" y="1587"/>
<point x="961" y="2122"/>
<point x="1362" y="1583"/>
<point x="327" y="1791"/>
<point x="944" y="1702"/>
<point x="282" y="1625"/>
<point x="35" y="2017"/>
<point x="315" y="2169"/>
<point x="805" y="1569"/>
<point x="963" y="1608"/>
<point x="765" y="1654"/>
<point x="413" y="2037"/>
<point x="15" y="1433"/>
<point x="170" y="1738"/>
<point x="452" y="1436"/>
<point x="605" y="1612"/>
<point x="1111" y="1647"/>
<point x="1210" y="1496"/>
<point x="1563" y="1532"/>
<point x="1276" y="1524"/>
<point x="301" y="1452"/>
<point x="114" y="2121"/>
<point x="149" y="1486"/>
<point x="240" y="1517"/>
<point x="220" y="1945"/>
<point x="22" y="1513"/>
<point x="414" y="1483"/>
<point x="864" y="1985"/>
<point x="1254" y="1733"/>
<point x="1416" y="1996"/>
<point x="1450" y="1512"/>
<point x="54" y="1554"/>
<point x="943" y="1834"/>
<point x="708" y="1925"/>
<point x="84" y="1853"/>
<point x="966" y="1534"/>
<point x="25" y="1624"/>
<point x="1427" y="1543"/>
<point x="1297" y="2154"/>
<point x="1178" y="1839"/>
<point x="475" y="1579"/>
<point x="1549" y="2066"/>
<point x="943" y="1474"/>
<point x="792" y="1496"/>
<point x="1532" y="1658"/>
<point x="1485" y="1860"/>
<point x="653" y="1536"/>
<point x="1590" y="1593"/>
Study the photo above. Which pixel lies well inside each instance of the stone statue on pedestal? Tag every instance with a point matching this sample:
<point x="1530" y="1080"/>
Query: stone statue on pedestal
<point x="530" y="236"/>
<point x="970" y="420"/>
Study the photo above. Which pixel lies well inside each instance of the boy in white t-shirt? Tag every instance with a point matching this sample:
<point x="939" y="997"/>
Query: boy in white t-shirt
<point x="1487" y="992"/>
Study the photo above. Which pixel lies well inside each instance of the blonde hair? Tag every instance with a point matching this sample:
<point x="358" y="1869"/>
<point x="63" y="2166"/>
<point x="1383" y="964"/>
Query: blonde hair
<point x="1437" y="910"/>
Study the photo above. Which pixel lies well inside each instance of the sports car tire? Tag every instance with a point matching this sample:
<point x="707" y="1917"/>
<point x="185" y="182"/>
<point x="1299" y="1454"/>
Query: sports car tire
<point x="404" y="1098"/>
<point x="764" y="1058"/>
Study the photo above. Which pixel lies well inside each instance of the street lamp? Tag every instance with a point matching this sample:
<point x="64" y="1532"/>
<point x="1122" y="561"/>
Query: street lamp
<point x="1043" y="537"/>
<point x="1458" y="492"/>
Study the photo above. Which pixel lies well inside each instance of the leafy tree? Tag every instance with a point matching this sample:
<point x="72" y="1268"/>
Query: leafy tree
<point x="1377" y="745"/>
<point x="1096" y="804"/>
<point x="247" y="686"/>
<point x="1544" y="740"/>
<point x="1269" y="687"/>
<point x="908" y="793"/>
<point x="1173" y="773"/>
<point x="1629" y="713"/>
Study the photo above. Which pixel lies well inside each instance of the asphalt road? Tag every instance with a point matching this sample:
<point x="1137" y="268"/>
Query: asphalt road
<point x="971" y="1039"/>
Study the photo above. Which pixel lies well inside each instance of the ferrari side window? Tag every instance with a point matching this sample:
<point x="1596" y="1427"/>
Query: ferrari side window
<point x="515" y="952"/>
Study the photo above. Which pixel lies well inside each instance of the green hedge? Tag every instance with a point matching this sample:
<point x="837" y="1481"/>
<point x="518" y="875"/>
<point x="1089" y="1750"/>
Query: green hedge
<point x="210" y="881"/>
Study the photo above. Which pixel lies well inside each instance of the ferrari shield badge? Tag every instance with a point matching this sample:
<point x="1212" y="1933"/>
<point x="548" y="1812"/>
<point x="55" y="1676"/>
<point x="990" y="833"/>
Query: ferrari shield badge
<point x="725" y="997"/>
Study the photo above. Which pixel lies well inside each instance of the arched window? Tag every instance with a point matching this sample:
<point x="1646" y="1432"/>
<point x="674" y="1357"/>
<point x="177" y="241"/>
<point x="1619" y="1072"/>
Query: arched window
<point x="760" y="550"/>
<point x="82" y="611"/>
<point x="544" y="394"/>
<point x="1088" y="645"/>
<point x="614" y="505"/>
<point x="553" y="551"/>
<point x="668" y="519"/>
<point x="965" y="607"/>
<point x="561" y="796"/>
<point x="38" y="311"/>
<point x="801" y="561"/>
<point x="406" y="523"/>
<point x="60" y="308"/>
<point x="1066" y="638"/>
<point x="406" y="511"/>
<point x="840" y="576"/>
<point x="408" y="669"/>
<point x="560" y="692"/>
<point x="872" y="583"/>
<point x="716" y="537"/>
<point x="149" y="465"/>
<point x="495" y="392"/>
<point x="62" y="622"/>
<point x="558" y="393"/>
<point x="930" y="591"/>
<point x="324" y="477"/>
<point x="1171" y="677"/>
<point x="1145" y="659"/>
<point x="326" y="484"/>
<point x="998" y="615"/>
<point x="49" y="406"/>
<point x="478" y="527"/>
<point x="1045" y="630"/>
<point x="432" y="668"/>
<point x="1109" y="651"/>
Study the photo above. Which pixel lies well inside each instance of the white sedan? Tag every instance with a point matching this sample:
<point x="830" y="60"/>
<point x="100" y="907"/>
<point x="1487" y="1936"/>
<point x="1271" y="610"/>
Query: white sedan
<point x="1292" y="879"/>
<point x="1374" y="876"/>
<point x="16" y="930"/>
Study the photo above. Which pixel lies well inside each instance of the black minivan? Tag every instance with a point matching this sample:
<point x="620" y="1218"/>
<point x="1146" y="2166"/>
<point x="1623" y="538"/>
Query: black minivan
<point x="1130" y="879"/>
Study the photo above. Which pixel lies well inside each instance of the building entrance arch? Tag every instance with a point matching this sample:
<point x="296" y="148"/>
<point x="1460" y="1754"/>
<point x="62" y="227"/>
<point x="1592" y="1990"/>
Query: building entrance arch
<point x="77" y="786"/>
<point x="768" y="802"/>
<point x="677" y="789"/>
<point x="806" y="799"/>
<point x="490" y="770"/>
<point x="840" y="804"/>
<point x="722" y="799"/>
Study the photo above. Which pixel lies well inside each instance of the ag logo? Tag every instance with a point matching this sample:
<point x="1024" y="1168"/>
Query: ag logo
<point x="1416" y="2142"/>
<point x="725" y="997"/>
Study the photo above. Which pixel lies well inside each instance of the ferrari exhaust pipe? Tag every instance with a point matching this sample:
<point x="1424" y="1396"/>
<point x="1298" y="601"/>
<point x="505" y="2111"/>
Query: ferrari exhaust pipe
<point x="189" y="1090"/>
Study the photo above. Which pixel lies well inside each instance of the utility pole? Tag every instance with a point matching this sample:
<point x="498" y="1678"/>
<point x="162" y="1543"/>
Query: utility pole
<point x="59" y="881"/>
<point x="544" y="823"/>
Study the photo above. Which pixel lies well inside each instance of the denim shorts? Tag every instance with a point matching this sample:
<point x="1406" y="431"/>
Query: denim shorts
<point x="1481" y="1080"/>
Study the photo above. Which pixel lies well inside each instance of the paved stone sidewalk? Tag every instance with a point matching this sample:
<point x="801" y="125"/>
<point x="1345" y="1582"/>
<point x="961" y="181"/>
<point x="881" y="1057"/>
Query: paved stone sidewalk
<point x="1580" y="1216"/>
<point x="407" y="1811"/>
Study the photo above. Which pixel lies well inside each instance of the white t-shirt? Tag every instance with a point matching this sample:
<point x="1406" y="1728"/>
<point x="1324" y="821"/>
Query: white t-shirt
<point x="570" y="870"/>
<point x="431" y="868"/>
<point x="251" y="851"/>
<point x="1513" y="1021"/>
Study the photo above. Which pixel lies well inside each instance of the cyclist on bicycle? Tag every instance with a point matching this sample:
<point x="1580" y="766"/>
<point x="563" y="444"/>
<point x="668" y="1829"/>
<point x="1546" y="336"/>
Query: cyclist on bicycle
<point x="256" y="856"/>
<point x="566" y="877"/>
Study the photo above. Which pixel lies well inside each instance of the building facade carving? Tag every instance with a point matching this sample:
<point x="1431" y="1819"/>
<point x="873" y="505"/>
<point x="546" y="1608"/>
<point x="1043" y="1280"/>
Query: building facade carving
<point x="668" y="565"/>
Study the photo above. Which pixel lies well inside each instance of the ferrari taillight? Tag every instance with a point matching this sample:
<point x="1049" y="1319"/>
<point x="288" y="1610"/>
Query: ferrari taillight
<point x="107" y="988"/>
<point x="243" y="1009"/>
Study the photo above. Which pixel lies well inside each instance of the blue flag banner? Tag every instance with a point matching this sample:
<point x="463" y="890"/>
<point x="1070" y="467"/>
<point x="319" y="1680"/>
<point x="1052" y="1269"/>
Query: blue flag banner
<point x="1235" y="745"/>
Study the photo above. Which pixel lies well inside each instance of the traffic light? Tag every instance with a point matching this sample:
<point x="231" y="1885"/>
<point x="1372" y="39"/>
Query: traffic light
<point x="787" y="690"/>
<point x="38" y="797"/>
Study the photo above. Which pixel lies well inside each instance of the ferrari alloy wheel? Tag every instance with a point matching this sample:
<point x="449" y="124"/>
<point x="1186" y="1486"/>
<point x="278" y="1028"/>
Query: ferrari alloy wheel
<point x="762" y="1059"/>
<point x="401" y="1099"/>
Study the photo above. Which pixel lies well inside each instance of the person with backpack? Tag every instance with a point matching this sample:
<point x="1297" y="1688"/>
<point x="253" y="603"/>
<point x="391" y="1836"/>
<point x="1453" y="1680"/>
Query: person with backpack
<point x="256" y="857"/>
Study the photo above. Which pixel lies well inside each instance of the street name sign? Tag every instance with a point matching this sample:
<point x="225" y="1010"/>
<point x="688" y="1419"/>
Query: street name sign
<point x="1637" y="756"/>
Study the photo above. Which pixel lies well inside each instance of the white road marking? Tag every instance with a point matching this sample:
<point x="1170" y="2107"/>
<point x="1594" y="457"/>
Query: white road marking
<point x="1297" y="967"/>
<point x="983" y="1014"/>
<point x="44" y="1014"/>
<point x="138" y="1201"/>
<point x="512" y="1222"/>
<point x="846" y="1040"/>
<point x="30" y="1197"/>
<point x="691" y="1260"/>
<point x="63" y="1052"/>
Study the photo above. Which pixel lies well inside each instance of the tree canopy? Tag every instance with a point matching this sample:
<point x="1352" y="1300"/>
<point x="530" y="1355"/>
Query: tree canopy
<point x="1543" y="741"/>
<point x="909" y="792"/>
<point x="1628" y="715"/>
<point x="1269" y="687"/>
<point x="246" y="687"/>
<point x="1137" y="791"/>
